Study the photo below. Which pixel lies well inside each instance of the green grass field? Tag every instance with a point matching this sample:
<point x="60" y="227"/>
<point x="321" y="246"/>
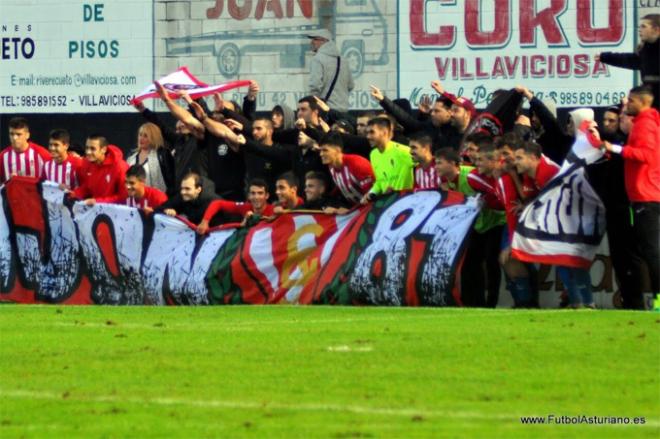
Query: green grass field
<point x="323" y="372"/>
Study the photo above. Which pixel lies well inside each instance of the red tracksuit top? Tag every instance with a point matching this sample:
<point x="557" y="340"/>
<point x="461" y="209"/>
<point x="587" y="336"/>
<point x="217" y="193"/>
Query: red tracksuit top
<point x="641" y="158"/>
<point x="104" y="182"/>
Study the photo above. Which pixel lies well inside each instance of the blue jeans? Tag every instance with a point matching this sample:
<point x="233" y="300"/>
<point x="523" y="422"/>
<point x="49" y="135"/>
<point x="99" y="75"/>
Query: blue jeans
<point x="577" y="282"/>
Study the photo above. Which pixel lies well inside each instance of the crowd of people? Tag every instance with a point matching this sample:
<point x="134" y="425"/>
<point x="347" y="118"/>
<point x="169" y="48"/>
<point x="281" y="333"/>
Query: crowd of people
<point x="228" y="164"/>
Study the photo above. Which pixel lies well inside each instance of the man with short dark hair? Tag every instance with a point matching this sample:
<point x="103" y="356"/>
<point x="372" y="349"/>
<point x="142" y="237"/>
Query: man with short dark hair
<point x="102" y="173"/>
<point x="437" y="126"/>
<point x="391" y="162"/>
<point x="257" y="204"/>
<point x="646" y="58"/>
<point x="352" y="174"/>
<point x="22" y="157"/>
<point x="641" y="158"/>
<point x="610" y="126"/>
<point x="62" y="168"/>
<point x="426" y="176"/>
<point x="286" y="189"/>
<point x="140" y="195"/>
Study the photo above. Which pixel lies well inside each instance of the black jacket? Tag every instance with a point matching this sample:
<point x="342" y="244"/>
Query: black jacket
<point x="554" y="141"/>
<point x="646" y="60"/>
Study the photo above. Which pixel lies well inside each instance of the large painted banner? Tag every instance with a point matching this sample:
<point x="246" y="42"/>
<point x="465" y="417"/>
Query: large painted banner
<point x="401" y="250"/>
<point x="74" y="56"/>
<point x="475" y="47"/>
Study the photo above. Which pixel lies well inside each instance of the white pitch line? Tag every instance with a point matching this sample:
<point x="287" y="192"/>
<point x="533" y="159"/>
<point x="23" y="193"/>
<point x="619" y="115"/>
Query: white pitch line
<point x="251" y="405"/>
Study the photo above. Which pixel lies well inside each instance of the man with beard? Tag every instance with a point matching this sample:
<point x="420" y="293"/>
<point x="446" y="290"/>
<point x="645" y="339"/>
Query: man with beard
<point x="426" y="176"/>
<point x="391" y="162"/>
<point x="438" y="126"/>
<point x="641" y="158"/>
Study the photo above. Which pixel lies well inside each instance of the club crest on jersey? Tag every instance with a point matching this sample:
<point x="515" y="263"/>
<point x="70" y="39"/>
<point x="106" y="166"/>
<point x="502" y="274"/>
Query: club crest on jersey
<point x="107" y="178"/>
<point x="222" y="149"/>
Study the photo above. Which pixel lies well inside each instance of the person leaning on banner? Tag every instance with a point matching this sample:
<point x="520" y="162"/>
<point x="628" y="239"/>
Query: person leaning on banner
<point x="102" y="173"/>
<point x="140" y="195"/>
<point x="641" y="161"/>
<point x="286" y="189"/>
<point x="330" y="76"/>
<point x="391" y="162"/>
<point x="317" y="195"/>
<point x="646" y="58"/>
<point x="192" y="200"/>
<point x="224" y="211"/>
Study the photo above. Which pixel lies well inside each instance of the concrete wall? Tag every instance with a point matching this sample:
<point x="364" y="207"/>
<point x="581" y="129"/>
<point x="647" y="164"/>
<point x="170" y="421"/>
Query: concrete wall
<point x="273" y="49"/>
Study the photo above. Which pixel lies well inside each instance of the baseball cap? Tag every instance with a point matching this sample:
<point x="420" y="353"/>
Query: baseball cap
<point x="463" y="102"/>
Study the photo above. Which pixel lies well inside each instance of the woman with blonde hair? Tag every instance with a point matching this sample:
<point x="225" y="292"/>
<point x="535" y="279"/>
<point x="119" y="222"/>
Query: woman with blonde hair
<point x="156" y="160"/>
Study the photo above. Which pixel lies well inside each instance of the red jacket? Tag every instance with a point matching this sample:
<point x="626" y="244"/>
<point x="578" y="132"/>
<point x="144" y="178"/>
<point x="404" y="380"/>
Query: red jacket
<point x="152" y="198"/>
<point x="641" y="158"/>
<point x="233" y="208"/>
<point x="104" y="182"/>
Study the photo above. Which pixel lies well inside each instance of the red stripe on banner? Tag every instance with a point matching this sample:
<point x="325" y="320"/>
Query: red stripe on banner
<point x="417" y="251"/>
<point x="25" y="206"/>
<point x="561" y="260"/>
<point x="345" y="242"/>
<point x="104" y="238"/>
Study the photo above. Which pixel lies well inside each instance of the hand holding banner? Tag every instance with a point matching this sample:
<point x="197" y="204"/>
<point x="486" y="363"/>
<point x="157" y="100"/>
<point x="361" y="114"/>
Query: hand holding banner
<point x="183" y="80"/>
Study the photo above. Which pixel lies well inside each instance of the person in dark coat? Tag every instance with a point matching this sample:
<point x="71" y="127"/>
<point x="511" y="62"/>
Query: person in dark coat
<point x="646" y="58"/>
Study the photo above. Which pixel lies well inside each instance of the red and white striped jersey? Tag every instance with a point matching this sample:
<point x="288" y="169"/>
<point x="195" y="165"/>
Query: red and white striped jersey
<point x="65" y="173"/>
<point x="28" y="163"/>
<point x="426" y="178"/>
<point x="354" y="178"/>
<point x="152" y="198"/>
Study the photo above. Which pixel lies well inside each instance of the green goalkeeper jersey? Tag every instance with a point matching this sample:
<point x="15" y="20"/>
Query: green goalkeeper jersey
<point x="393" y="168"/>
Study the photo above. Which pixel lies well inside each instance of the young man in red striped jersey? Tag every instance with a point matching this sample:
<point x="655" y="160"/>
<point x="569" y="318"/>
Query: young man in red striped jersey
<point x="22" y="157"/>
<point x="257" y="205"/>
<point x="62" y="168"/>
<point x="352" y="174"/>
<point x="139" y="194"/>
<point x="426" y="176"/>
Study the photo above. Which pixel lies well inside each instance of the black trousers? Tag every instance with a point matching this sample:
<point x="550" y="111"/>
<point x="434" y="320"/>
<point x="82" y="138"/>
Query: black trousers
<point x="646" y="226"/>
<point x="624" y="254"/>
<point x="481" y="271"/>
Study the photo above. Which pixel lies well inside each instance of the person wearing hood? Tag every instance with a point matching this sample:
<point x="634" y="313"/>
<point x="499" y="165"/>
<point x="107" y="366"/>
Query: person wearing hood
<point x="283" y="117"/>
<point x="102" y="174"/>
<point x="330" y="76"/>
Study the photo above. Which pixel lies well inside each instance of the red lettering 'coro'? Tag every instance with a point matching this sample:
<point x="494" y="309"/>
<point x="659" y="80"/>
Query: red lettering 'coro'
<point x="546" y="20"/>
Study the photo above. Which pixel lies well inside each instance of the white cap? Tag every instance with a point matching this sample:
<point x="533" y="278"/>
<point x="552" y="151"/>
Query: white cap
<point x="579" y="115"/>
<point x="320" y="33"/>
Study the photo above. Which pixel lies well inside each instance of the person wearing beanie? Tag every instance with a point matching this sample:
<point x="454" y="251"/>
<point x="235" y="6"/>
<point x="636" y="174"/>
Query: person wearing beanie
<point x="330" y="76"/>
